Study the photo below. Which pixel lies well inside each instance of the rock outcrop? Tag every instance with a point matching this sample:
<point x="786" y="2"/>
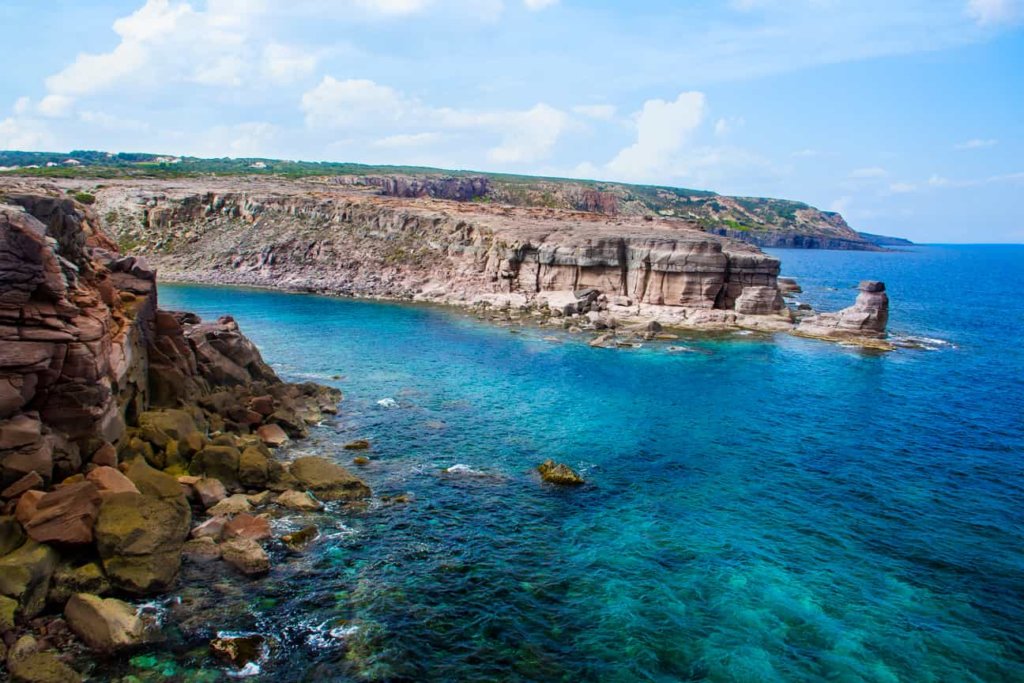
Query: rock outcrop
<point x="106" y="401"/>
<point x="864" y="322"/>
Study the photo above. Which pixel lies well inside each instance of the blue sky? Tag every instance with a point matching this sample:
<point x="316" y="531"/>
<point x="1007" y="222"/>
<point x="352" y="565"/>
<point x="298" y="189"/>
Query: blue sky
<point x="905" y="115"/>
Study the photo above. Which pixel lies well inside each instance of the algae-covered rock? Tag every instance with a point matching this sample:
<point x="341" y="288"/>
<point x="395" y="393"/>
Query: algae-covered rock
<point x="239" y="650"/>
<point x="12" y="534"/>
<point x="105" y="625"/>
<point x="156" y="484"/>
<point x="8" y="606"/>
<point x="25" y="576"/>
<point x="160" y="426"/>
<point x="557" y="473"/>
<point x="328" y="480"/>
<point x="69" y="579"/>
<point x="41" y="667"/>
<point x="218" y="462"/>
<point x="139" y="539"/>
<point x="357" y="445"/>
<point x="232" y="505"/>
<point x="253" y="468"/>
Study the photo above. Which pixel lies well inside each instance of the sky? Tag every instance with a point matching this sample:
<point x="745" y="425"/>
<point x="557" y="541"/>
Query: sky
<point x="907" y="116"/>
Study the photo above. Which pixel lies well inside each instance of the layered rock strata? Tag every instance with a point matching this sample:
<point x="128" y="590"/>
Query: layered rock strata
<point x="863" y="323"/>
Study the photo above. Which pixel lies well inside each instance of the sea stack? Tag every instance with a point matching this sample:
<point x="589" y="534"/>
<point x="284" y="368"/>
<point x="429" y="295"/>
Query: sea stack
<point x="864" y="322"/>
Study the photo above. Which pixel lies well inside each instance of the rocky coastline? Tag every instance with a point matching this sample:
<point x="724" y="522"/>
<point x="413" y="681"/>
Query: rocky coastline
<point x="131" y="438"/>
<point x="555" y="267"/>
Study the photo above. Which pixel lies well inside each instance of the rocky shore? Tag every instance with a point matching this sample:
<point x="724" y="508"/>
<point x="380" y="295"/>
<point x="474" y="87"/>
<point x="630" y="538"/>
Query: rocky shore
<point x="130" y="438"/>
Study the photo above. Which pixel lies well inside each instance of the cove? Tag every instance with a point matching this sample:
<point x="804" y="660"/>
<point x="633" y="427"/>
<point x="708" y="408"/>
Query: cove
<point x="761" y="508"/>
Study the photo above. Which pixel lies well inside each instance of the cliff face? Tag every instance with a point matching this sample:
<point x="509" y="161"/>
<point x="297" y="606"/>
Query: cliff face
<point x="351" y="242"/>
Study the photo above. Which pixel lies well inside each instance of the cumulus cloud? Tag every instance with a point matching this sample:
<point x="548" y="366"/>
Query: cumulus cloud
<point x="995" y="12"/>
<point x="24" y="133"/>
<point x="364" y="105"/>
<point x="663" y="128"/>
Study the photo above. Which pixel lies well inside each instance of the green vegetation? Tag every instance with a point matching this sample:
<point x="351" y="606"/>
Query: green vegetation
<point x="84" y="198"/>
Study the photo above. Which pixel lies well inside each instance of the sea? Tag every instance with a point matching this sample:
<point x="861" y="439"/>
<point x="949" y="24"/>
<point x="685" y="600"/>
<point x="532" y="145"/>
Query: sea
<point x="757" y="507"/>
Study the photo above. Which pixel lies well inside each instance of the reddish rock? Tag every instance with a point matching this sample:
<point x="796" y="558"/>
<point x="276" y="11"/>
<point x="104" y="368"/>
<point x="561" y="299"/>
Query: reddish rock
<point x="210" y="491"/>
<point x="247" y="526"/>
<point x="19" y="431"/>
<point x="66" y="515"/>
<point x="264" y="405"/>
<point x="109" y="480"/>
<point x="105" y="455"/>
<point x="27" y="504"/>
<point x="211" y="528"/>
<point x="32" y="480"/>
<point x="272" y="435"/>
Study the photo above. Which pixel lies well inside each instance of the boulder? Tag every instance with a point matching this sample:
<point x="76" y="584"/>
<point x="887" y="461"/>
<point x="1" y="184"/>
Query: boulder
<point x="110" y="480"/>
<point x="298" y="541"/>
<point x="26" y="507"/>
<point x="139" y="539"/>
<point x="299" y="500"/>
<point x="239" y="650"/>
<point x="203" y="549"/>
<point x="41" y="667"/>
<point x="105" y="625"/>
<point x="25" y="576"/>
<point x="247" y="526"/>
<point x="217" y="462"/>
<point x="246" y="555"/>
<point x="557" y="473"/>
<point x="210" y="491"/>
<point x="253" y="468"/>
<point x="160" y="426"/>
<point x="69" y="580"/>
<point x="8" y="606"/>
<point x="357" y="445"/>
<point x="272" y="435"/>
<point x="32" y="480"/>
<point x="156" y="484"/>
<point x="327" y="480"/>
<point x="66" y="515"/>
<point x="211" y="528"/>
<point x="232" y="505"/>
<point x="12" y="534"/>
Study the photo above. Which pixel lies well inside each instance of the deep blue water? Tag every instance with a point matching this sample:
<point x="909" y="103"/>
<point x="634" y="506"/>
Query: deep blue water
<point x="770" y="509"/>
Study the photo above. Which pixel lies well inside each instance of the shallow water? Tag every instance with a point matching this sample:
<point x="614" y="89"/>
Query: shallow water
<point x="769" y="509"/>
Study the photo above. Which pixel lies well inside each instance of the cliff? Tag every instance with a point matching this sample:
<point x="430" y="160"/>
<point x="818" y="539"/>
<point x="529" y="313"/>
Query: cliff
<point x="337" y="239"/>
<point x="761" y="221"/>
<point x="120" y="423"/>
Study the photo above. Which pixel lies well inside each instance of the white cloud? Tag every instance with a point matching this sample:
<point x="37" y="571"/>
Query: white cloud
<point x="407" y="140"/>
<point x="393" y="7"/>
<point x="663" y="128"/>
<point x="601" y="112"/>
<point x="841" y="204"/>
<point x="22" y="105"/>
<point x="55" y="106"/>
<point x="995" y="12"/>
<point x="976" y="143"/>
<point x="360" y="104"/>
<point x="25" y="134"/>
<point x="286" y="64"/>
<point x="114" y="123"/>
<point x="805" y="153"/>
<point x="872" y="173"/>
<point x="724" y="126"/>
<point x="534" y="5"/>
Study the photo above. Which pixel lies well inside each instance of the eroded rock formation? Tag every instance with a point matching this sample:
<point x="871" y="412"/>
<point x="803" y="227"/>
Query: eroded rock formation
<point x="107" y="403"/>
<point x="862" y="322"/>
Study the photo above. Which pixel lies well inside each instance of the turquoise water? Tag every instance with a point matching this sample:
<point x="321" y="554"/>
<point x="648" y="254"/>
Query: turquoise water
<point x="760" y="510"/>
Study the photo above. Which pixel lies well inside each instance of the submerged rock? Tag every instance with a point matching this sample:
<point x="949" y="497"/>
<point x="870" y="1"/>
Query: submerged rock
<point x="239" y="650"/>
<point x="557" y="473"/>
<point x="357" y="445"/>
<point x="300" y="540"/>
